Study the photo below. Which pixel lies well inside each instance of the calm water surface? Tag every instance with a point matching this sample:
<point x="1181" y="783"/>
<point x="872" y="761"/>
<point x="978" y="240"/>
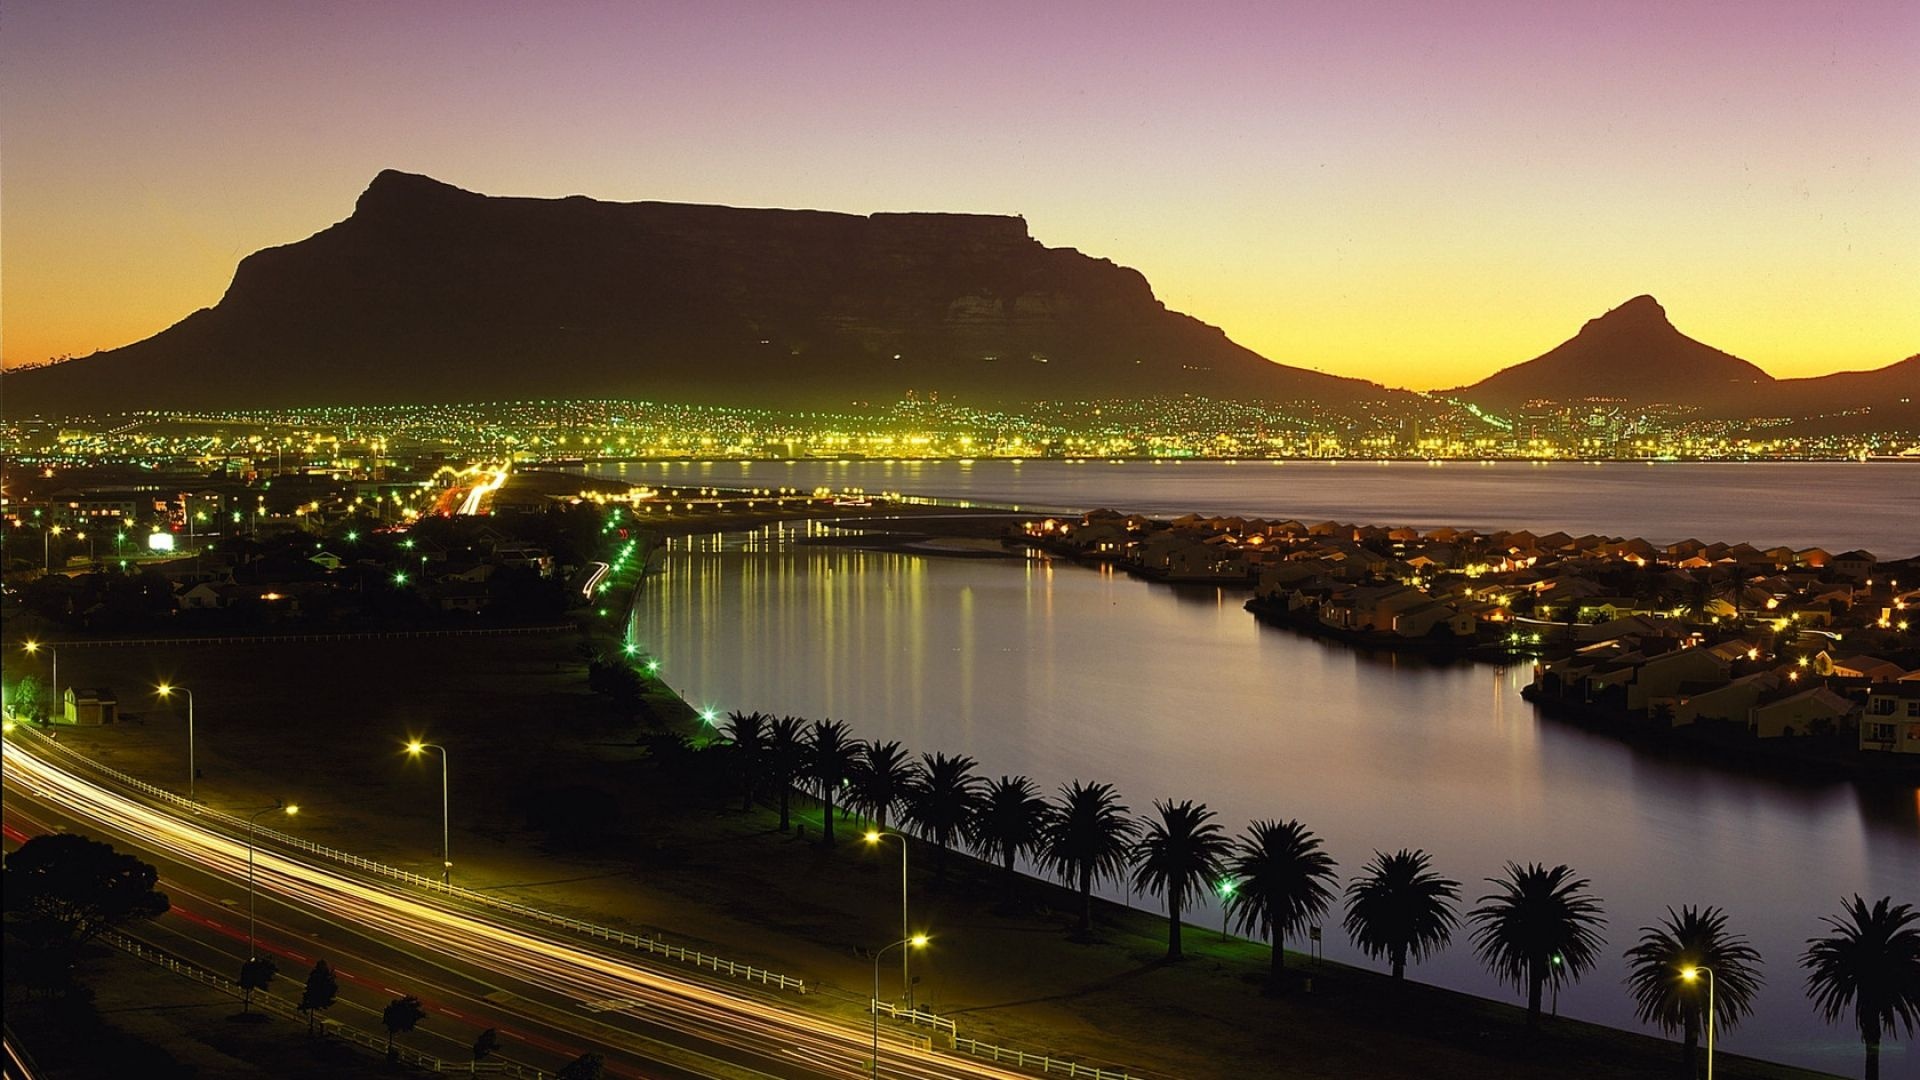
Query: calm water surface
<point x="1837" y="505"/>
<point x="1064" y="672"/>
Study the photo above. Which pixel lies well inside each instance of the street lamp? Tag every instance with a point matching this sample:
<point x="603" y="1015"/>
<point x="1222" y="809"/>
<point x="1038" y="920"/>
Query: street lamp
<point x="1691" y="973"/>
<point x="289" y="810"/>
<point x="46" y="545"/>
<point x="33" y="647"/>
<point x="918" y="941"/>
<point x="165" y="691"/>
<point x="416" y="748"/>
<point x="874" y="836"/>
<point x="1226" y="895"/>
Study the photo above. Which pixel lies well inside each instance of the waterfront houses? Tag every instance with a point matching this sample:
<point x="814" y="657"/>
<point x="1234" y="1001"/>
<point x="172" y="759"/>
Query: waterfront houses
<point x="1697" y="639"/>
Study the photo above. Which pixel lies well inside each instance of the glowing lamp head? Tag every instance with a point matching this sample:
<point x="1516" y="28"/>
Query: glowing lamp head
<point x="708" y="716"/>
<point x="918" y="941"/>
<point x="31" y="646"/>
<point x="416" y="747"/>
<point x="1689" y="973"/>
<point x="872" y="837"/>
<point x="292" y="809"/>
<point x="164" y="690"/>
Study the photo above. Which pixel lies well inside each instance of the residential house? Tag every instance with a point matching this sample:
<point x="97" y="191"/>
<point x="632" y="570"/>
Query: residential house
<point x="90" y="706"/>
<point x="1798" y="712"/>
<point x="1891" y="721"/>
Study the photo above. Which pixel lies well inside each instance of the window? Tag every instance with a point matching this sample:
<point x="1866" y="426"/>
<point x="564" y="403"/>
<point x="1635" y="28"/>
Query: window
<point x="1880" y="733"/>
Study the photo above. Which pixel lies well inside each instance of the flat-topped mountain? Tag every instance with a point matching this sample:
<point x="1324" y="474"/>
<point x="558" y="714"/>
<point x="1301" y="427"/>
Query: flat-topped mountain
<point x="428" y="293"/>
<point x="1634" y="353"/>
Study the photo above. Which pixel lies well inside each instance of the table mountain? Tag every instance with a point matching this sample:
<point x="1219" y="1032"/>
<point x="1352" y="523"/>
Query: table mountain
<point x="429" y="293"/>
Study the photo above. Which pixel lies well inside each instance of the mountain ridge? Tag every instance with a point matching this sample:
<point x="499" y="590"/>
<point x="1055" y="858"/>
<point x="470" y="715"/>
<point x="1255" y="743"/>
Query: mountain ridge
<point x="428" y="293"/>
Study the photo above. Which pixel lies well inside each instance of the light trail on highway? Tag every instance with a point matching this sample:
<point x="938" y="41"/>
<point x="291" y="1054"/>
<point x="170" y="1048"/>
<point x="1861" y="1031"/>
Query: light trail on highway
<point x="776" y="1039"/>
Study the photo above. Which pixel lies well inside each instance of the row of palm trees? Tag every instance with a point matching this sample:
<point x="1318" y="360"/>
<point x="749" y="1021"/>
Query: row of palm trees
<point x="1539" y="928"/>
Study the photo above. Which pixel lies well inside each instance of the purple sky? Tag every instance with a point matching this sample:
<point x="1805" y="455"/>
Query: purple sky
<point x="1414" y="192"/>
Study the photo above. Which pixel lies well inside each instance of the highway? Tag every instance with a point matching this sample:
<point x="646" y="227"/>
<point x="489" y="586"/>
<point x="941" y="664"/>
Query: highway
<point x="551" y="997"/>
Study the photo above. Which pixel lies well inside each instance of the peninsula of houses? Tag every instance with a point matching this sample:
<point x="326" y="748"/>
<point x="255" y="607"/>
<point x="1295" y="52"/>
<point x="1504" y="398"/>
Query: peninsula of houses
<point x="1804" y="657"/>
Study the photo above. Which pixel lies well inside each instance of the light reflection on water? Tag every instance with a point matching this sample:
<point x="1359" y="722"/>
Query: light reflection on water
<point x="1064" y="672"/>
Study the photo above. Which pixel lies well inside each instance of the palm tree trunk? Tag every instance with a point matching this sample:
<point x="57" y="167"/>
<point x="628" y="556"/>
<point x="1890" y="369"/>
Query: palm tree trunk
<point x="1279" y="958"/>
<point x="786" y="793"/>
<point x="1689" y="1046"/>
<point x="1086" y="899"/>
<point x="1173" y="924"/>
<point x="1534" y="986"/>
<point x="1873" y="1059"/>
<point x="827" y="818"/>
<point x="1399" y="958"/>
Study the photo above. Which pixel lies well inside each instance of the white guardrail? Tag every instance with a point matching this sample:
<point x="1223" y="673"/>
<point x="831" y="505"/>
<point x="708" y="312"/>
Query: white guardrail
<point x="1046" y="1064"/>
<point x="717" y="964"/>
<point x="329" y="1028"/>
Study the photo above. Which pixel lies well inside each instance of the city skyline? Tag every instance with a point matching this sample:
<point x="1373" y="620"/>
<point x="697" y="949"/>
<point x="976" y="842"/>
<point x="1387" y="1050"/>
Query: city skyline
<point x="1270" y="173"/>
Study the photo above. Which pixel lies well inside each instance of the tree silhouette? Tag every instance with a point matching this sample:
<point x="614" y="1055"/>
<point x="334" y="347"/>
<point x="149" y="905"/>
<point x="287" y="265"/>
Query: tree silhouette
<point x="1696" y="937"/>
<point x="321" y="990"/>
<point x="1398" y="908"/>
<point x="747" y="732"/>
<point x="486" y="1044"/>
<point x="587" y="1066"/>
<point x="939" y="803"/>
<point x="1281" y="881"/>
<point x="1009" y="820"/>
<point x="831" y="752"/>
<point x="1539" y="927"/>
<point x="880" y="779"/>
<point x="75" y="888"/>
<point x="786" y="760"/>
<point x="1179" y="853"/>
<point x="1871" y="963"/>
<point x="1087" y="839"/>
<point x="255" y="974"/>
<point x="401" y="1015"/>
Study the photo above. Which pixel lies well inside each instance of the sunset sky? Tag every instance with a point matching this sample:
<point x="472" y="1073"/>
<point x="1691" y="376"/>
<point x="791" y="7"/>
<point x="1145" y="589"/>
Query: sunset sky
<point x="1414" y="192"/>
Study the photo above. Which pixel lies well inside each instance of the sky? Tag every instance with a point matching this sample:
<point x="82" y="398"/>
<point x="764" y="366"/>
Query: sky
<point x="1418" y="193"/>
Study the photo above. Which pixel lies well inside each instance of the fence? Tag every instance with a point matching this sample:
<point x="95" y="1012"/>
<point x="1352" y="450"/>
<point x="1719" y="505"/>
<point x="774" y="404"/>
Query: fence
<point x="918" y="1017"/>
<point x="268" y="1003"/>
<point x="718" y="964"/>
<point x="1046" y="1065"/>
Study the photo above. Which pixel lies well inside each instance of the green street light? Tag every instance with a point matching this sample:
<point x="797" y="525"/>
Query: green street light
<point x="1226" y="889"/>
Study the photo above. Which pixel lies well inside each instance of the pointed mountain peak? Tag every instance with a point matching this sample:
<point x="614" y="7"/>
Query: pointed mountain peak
<point x="395" y="188"/>
<point x="1641" y="312"/>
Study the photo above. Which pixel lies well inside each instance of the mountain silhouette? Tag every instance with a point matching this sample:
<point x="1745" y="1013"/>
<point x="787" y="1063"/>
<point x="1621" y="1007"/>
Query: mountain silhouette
<point x="429" y="293"/>
<point x="1633" y="353"/>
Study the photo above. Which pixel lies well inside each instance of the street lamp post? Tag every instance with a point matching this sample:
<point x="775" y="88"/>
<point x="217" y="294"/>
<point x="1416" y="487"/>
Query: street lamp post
<point x="53" y="702"/>
<point x="917" y="941"/>
<point x="416" y="747"/>
<point x="1226" y="895"/>
<point x="290" y="810"/>
<point x="874" y="836"/>
<point x="1690" y="974"/>
<point x="46" y="545"/>
<point x="165" y="690"/>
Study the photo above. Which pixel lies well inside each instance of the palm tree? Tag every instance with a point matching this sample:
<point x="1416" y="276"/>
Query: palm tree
<point x="748" y="734"/>
<point x="1871" y="962"/>
<point x="939" y="802"/>
<point x="830" y="757"/>
<point x="880" y="779"/>
<point x="786" y="759"/>
<point x="1009" y="820"/>
<point x="1178" y="854"/>
<point x="1398" y="908"/>
<point x="1696" y="937"/>
<point x="1280" y="883"/>
<point x="1087" y="839"/>
<point x="1541" y="927"/>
